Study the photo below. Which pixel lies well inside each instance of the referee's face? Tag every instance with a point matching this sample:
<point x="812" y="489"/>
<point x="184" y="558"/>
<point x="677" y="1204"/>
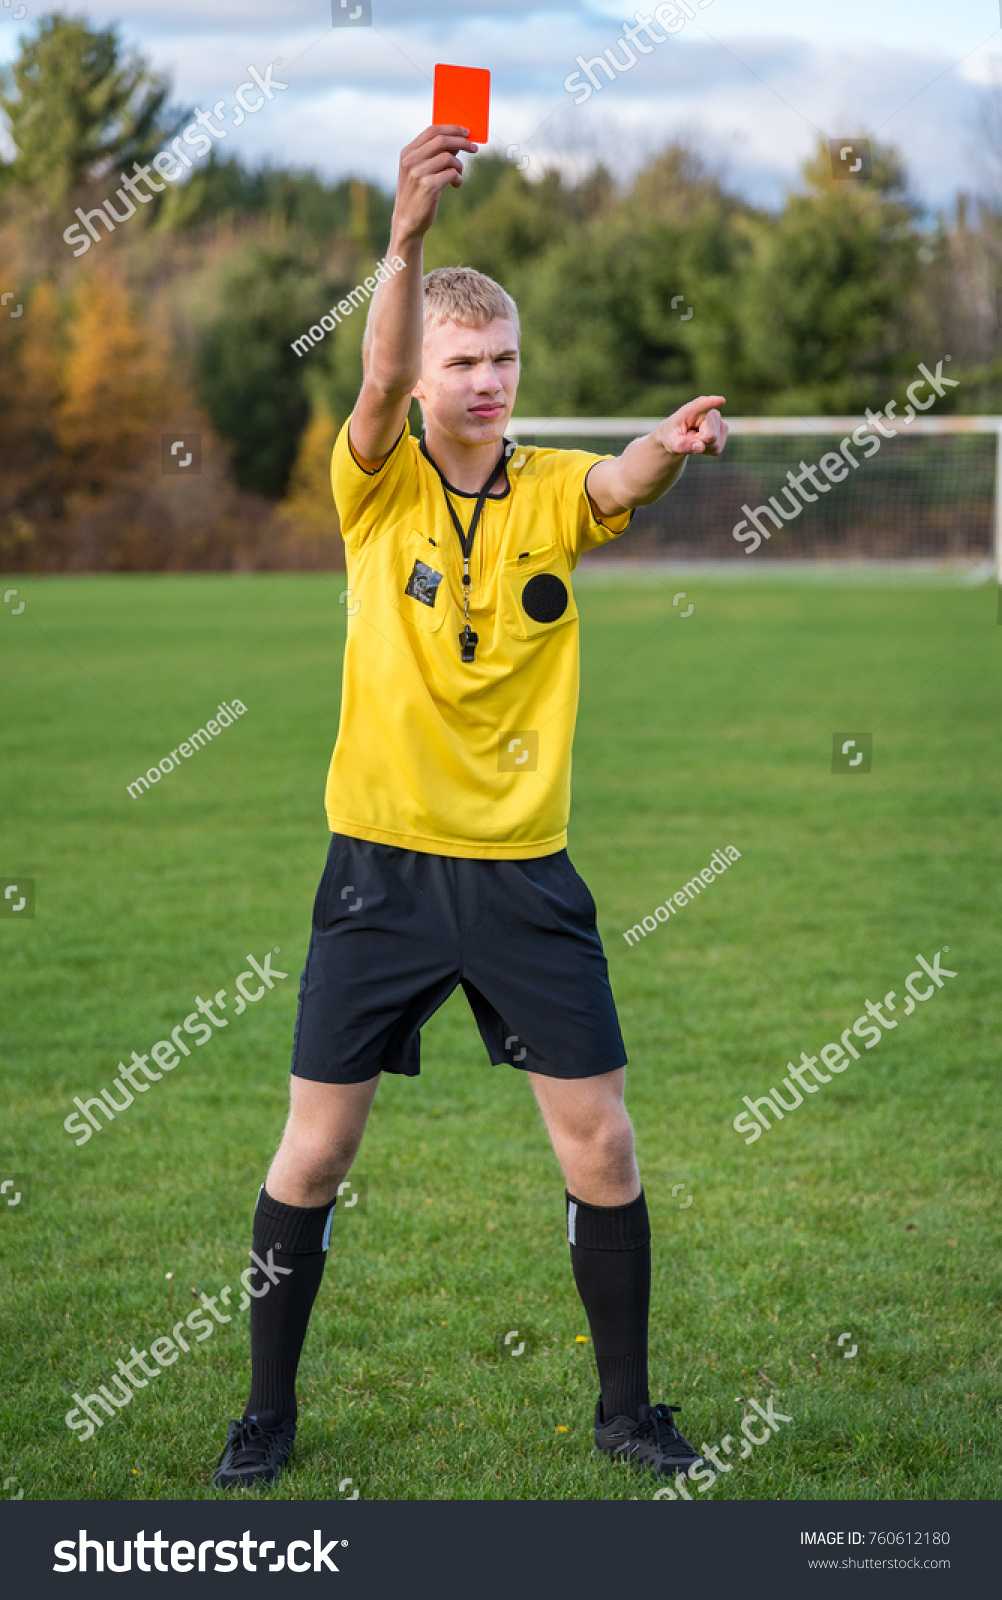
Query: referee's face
<point x="469" y="379"/>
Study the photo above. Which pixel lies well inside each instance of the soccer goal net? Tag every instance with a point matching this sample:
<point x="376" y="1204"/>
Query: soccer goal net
<point x="814" y="489"/>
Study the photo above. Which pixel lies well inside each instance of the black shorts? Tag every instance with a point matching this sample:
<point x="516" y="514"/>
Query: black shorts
<point x="394" y="932"/>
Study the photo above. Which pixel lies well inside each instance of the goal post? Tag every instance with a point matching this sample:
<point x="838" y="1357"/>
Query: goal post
<point x="925" y="491"/>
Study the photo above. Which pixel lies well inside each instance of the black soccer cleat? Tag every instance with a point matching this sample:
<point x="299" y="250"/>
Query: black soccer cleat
<point x="650" y="1439"/>
<point x="254" y="1453"/>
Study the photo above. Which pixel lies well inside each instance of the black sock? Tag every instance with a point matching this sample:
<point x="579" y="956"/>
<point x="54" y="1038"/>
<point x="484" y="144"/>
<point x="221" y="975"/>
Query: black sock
<point x="611" y="1260"/>
<point x="297" y="1239"/>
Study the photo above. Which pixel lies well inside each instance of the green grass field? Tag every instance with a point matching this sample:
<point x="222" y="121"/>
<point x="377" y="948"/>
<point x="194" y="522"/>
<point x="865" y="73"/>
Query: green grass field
<point x="872" y="1210"/>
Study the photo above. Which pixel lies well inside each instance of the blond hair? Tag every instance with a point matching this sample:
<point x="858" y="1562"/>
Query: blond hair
<point x="463" y="295"/>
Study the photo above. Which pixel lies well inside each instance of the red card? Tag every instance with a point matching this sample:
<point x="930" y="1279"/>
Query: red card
<point x="463" y="99"/>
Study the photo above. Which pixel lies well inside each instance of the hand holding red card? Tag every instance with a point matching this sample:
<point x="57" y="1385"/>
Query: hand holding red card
<point x="429" y="164"/>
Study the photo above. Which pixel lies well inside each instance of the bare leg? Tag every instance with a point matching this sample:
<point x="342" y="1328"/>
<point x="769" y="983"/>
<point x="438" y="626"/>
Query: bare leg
<point x="592" y="1138"/>
<point x="321" y="1139"/>
<point x="591" y="1134"/>
<point x="291" y="1237"/>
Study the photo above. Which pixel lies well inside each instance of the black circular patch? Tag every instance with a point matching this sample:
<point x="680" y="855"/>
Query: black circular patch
<point x="545" y="597"/>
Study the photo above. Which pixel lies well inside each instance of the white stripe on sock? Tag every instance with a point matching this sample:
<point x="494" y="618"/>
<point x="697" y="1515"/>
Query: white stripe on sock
<point x="572" y="1212"/>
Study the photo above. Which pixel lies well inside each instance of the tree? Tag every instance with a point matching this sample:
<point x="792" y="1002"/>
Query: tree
<point x="828" y="296"/>
<point x="308" y="508"/>
<point x="79" y="110"/>
<point x="688" y="251"/>
<point x="635" y="309"/>
<point x="252" y="382"/>
<point x="118" y="388"/>
<point x="31" y="489"/>
<point x="501" y="223"/>
<point x="585" y="353"/>
<point x="222" y="187"/>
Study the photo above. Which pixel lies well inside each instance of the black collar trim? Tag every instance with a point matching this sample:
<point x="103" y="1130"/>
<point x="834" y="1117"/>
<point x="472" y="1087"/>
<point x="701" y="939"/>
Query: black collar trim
<point x="465" y="494"/>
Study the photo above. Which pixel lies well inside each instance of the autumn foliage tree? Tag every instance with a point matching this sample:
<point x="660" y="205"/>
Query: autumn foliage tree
<point x="307" y="512"/>
<point x="118" y="398"/>
<point x="634" y="291"/>
<point x="118" y="384"/>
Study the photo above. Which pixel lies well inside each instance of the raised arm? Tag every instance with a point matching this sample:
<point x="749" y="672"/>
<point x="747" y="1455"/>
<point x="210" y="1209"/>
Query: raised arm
<point x="650" y="465"/>
<point x="391" y="350"/>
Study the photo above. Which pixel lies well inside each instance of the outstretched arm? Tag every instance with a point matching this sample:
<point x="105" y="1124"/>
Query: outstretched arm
<point x="391" y="351"/>
<point x="649" y="466"/>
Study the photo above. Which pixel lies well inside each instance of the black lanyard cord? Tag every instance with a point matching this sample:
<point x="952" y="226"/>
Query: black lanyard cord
<point x="468" y="640"/>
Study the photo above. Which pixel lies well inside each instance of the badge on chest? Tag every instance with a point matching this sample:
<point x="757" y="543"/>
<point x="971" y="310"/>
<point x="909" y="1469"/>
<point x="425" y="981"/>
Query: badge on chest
<point x="423" y="583"/>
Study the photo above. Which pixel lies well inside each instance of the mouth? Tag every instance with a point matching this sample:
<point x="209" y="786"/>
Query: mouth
<point x="486" y="411"/>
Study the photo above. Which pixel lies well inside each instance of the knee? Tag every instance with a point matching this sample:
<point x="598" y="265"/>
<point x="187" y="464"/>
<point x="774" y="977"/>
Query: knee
<point x="319" y="1162"/>
<point x="609" y="1141"/>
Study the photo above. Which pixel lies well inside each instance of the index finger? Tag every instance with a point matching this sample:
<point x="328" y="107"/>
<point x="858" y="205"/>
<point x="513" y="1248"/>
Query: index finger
<point x="706" y="402"/>
<point x="437" y="128"/>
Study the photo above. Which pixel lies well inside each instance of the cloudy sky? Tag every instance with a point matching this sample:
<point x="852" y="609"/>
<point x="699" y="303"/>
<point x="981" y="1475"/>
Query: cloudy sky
<point x="751" y="82"/>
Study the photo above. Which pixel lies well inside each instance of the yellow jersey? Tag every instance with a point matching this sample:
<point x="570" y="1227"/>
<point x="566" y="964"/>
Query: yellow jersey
<point x="434" y="753"/>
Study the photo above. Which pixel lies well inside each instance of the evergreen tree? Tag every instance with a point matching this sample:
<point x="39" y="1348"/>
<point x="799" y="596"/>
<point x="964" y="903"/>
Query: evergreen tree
<point x="827" y="298"/>
<point x="79" y="111"/>
<point x="251" y="380"/>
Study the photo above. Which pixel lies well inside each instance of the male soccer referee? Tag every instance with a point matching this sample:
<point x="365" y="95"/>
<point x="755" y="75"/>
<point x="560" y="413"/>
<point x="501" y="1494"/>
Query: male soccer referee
<point x="448" y="798"/>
